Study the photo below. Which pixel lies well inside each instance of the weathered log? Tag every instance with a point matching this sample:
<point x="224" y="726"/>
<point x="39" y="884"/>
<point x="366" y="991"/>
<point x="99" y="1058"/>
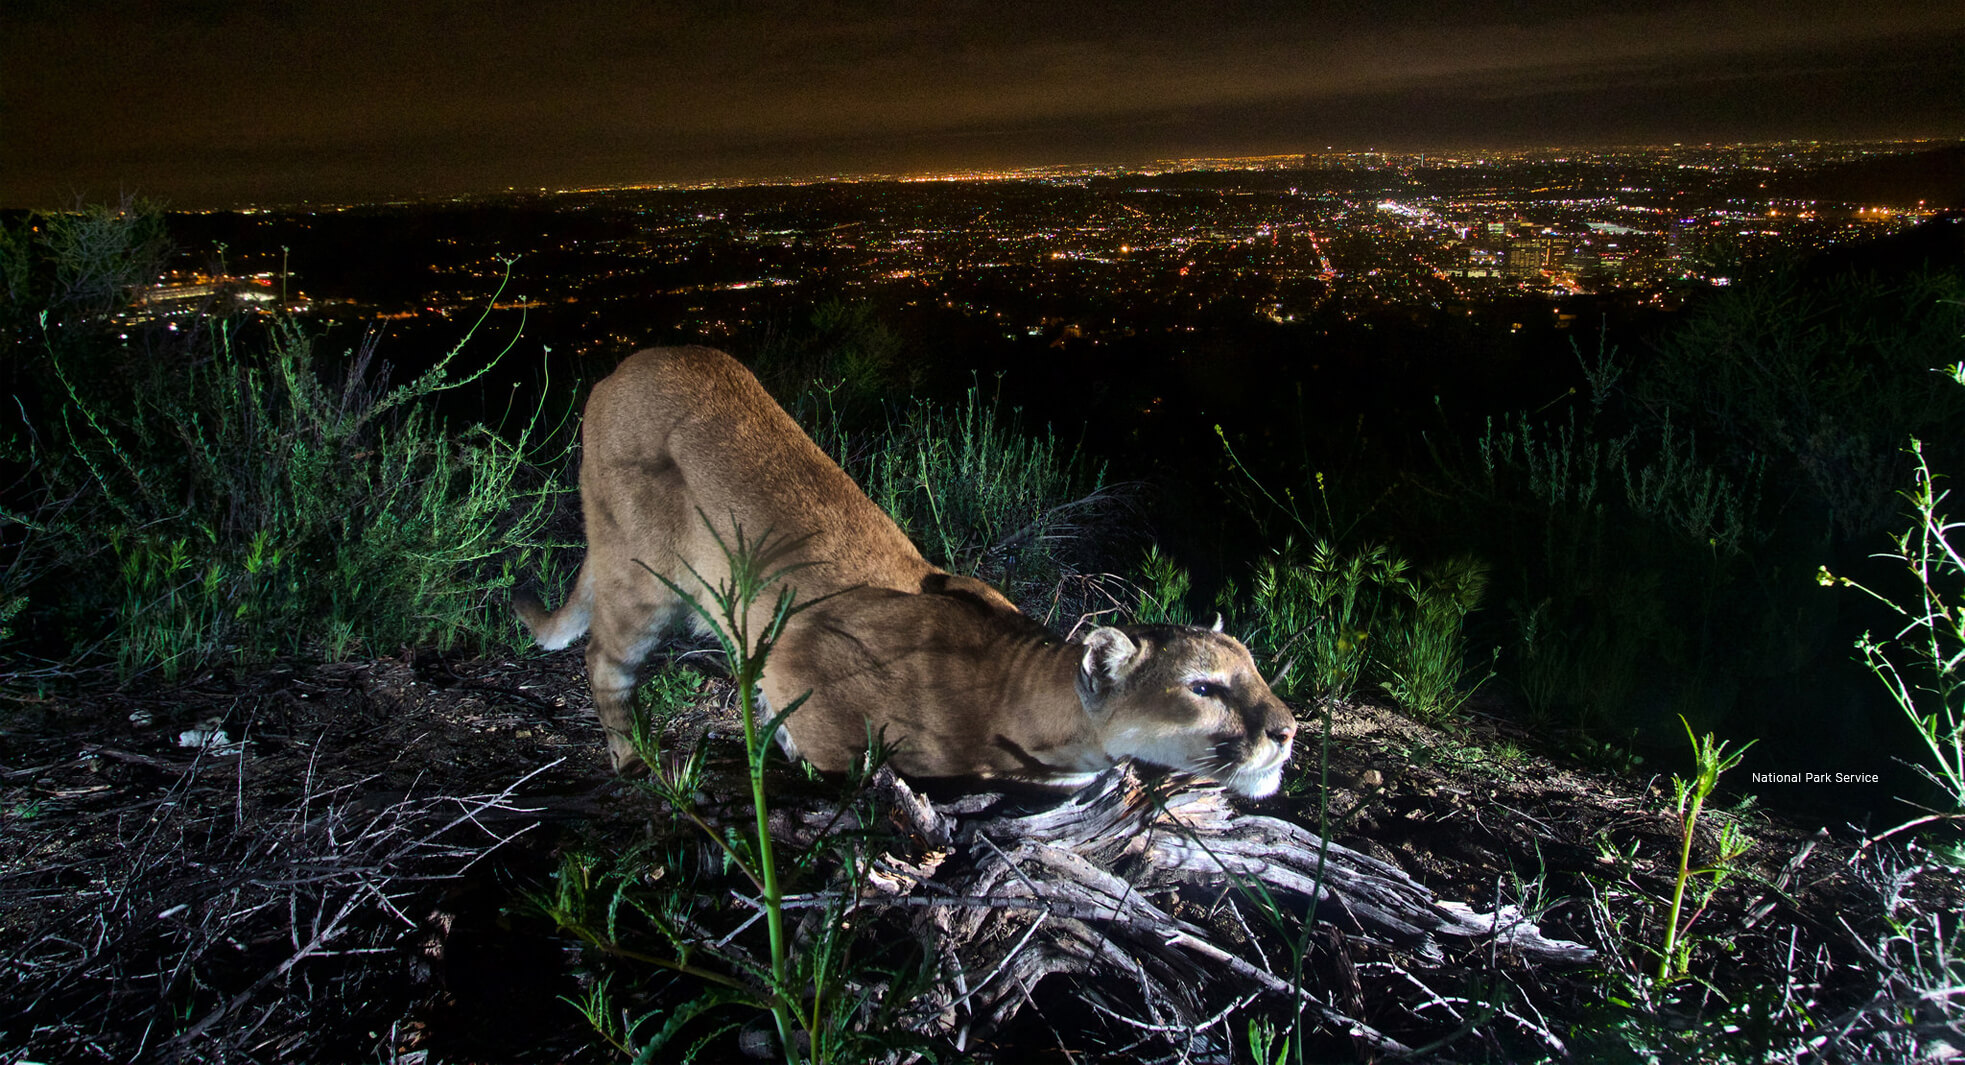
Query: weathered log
<point x="1193" y="835"/>
<point x="1003" y="900"/>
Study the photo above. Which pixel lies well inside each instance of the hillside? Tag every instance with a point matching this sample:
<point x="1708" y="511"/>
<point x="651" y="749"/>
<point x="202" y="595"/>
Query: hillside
<point x="343" y="873"/>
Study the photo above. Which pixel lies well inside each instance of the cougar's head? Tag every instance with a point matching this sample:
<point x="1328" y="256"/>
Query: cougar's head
<point x="1187" y="698"/>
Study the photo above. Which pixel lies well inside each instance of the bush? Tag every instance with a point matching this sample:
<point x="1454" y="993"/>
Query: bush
<point x="1619" y="550"/>
<point x="1313" y="617"/>
<point x="1424" y="649"/>
<point x="1162" y="591"/>
<point x="80" y="264"/>
<point x="217" y="500"/>
<point x="980" y="496"/>
<point x="843" y="356"/>
<point x="1821" y="377"/>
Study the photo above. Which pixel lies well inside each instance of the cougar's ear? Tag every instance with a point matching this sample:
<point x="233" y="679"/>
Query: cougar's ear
<point x="1109" y="656"/>
<point x="1217" y="621"/>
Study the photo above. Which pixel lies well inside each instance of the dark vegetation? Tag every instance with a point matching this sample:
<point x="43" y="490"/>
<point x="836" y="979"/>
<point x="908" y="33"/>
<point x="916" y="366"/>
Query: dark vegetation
<point x="1552" y="547"/>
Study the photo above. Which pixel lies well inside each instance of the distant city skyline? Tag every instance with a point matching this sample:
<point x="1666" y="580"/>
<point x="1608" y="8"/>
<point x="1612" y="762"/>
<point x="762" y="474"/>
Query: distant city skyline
<point x="216" y="105"/>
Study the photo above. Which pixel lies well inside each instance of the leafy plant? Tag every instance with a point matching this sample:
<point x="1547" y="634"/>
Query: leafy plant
<point x="657" y="701"/>
<point x="748" y="636"/>
<point x="1264" y="1046"/>
<point x="651" y="907"/>
<point x="1325" y="619"/>
<point x="1922" y="665"/>
<point x="1710" y="760"/>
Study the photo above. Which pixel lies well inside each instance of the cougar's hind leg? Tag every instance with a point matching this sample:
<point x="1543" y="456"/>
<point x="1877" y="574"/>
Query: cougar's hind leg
<point x="634" y="527"/>
<point x="612" y="678"/>
<point x="632" y="612"/>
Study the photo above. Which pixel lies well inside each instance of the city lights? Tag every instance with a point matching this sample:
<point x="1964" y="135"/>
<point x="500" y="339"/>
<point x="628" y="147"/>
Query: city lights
<point x="1085" y="255"/>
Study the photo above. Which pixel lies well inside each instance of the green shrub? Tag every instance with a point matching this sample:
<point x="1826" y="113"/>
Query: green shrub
<point x="1163" y="591"/>
<point x="844" y="356"/>
<point x="9" y="608"/>
<point x="220" y="501"/>
<point x="979" y="495"/>
<point x="658" y="914"/>
<point x="1606" y="543"/>
<point x="80" y="264"/>
<point x="975" y="490"/>
<point x="1324" y="622"/>
<point x="1313" y="617"/>
<point x="1424" y="647"/>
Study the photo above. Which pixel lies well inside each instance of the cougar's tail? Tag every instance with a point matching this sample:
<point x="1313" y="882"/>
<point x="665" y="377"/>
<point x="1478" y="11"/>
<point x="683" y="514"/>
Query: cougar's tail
<point x="554" y="629"/>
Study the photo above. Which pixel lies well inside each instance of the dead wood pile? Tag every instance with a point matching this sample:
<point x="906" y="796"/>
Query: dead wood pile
<point x="1169" y="909"/>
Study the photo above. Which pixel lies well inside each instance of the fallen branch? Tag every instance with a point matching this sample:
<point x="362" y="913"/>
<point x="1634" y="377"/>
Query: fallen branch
<point x="1080" y="889"/>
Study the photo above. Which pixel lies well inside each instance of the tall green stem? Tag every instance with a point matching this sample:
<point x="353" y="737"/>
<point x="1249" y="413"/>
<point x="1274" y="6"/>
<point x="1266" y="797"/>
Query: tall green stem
<point x="754" y="567"/>
<point x="1678" y="889"/>
<point x="1710" y="759"/>
<point x="767" y="865"/>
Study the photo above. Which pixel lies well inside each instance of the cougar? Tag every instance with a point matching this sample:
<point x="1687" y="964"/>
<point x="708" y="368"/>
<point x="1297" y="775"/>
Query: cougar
<point x="683" y="448"/>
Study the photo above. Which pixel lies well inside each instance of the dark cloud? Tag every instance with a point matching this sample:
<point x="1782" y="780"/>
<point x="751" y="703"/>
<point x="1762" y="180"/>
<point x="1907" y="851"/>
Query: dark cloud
<point x="229" y="102"/>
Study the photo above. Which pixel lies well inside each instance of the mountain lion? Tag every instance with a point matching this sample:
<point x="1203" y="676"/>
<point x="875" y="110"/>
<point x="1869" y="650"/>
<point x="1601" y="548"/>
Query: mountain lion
<point x="966" y="687"/>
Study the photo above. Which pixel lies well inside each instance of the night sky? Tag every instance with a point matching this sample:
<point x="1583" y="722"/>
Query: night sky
<point x="227" y="103"/>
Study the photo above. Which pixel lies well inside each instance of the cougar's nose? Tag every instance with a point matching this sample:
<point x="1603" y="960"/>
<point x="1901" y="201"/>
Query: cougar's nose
<point x="1281" y="734"/>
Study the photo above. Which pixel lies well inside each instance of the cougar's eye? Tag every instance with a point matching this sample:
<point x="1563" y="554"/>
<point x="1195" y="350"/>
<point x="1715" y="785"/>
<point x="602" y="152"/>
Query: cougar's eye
<point x="1203" y="688"/>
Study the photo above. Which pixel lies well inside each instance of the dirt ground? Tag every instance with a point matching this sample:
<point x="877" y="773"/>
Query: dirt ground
<point x="331" y="861"/>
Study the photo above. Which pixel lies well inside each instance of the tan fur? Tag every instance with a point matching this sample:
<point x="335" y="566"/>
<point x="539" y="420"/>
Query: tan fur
<point x="942" y="666"/>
